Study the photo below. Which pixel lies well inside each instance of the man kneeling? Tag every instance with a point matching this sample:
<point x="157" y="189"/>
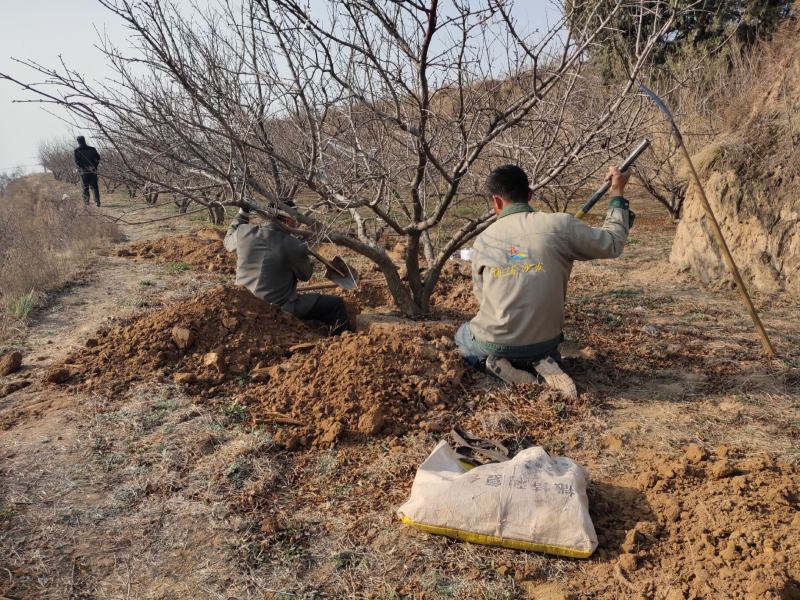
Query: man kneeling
<point x="270" y="261"/>
<point x="520" y="268"/>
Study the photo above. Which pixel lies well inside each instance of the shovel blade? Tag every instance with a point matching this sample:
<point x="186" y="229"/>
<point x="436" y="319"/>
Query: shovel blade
<point x="347" y="277"/>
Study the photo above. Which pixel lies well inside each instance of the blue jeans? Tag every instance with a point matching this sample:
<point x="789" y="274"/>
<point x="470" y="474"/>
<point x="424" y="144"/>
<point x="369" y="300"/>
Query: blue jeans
<point x="476" y="356"/>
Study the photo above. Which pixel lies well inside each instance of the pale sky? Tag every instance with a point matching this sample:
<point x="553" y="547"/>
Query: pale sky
<point x="44" y="30"/>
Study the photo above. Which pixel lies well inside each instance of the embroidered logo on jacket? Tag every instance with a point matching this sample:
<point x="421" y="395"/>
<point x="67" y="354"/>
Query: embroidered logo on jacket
<point x="514" y="253"/>
<point x="518" y="264"/>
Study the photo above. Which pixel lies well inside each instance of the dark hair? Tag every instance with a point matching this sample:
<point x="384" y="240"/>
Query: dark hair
<point x="81" y="139"/>
<point x="509" y="182"/>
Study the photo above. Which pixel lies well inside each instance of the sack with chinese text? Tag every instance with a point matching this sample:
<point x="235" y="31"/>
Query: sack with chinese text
<point x="531" y="502"/>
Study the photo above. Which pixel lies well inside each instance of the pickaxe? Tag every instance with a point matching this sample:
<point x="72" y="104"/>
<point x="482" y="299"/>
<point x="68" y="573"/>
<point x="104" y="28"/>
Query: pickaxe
<point x="726" y="253"/>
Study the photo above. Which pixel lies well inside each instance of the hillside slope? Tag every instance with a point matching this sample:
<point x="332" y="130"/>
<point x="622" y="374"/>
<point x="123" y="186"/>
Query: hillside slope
<point x="751" y="174"/>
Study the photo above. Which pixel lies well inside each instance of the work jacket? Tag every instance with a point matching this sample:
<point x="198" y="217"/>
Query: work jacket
<point x="86" y="159"/>
<point x="269" y="262"/>
<point x="520" y="269"/>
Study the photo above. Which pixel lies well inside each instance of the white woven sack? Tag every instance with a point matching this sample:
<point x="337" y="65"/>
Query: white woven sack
<point x="531" y="502"/>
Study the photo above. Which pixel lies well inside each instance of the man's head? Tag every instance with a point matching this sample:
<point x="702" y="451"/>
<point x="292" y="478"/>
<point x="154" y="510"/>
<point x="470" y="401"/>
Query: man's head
<point x="508" y="184"/>
<point x="81" y="140"/>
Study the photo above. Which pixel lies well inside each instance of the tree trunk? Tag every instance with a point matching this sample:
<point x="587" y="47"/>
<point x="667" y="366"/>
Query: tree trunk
<point x="216" y="213"/>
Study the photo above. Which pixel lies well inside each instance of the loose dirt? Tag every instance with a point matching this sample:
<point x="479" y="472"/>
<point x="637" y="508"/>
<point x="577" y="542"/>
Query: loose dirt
<point x="702" y="525"/>
<point x="219" y="335"/>
<point x="364" y="383"/>
<point x="202" y="250"/>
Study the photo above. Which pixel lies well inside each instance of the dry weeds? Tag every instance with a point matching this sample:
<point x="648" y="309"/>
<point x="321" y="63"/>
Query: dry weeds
<point x="46" y="241"/>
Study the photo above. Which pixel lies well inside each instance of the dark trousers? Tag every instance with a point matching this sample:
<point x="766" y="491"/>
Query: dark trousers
<point x="89" y="180"/>
<point x="330" y="310"/>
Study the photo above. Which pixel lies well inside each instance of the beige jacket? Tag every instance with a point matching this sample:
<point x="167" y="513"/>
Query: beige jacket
<point x="520" y="269"/>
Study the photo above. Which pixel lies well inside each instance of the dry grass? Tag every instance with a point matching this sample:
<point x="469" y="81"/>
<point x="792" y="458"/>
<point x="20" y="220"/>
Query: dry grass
<point x="46" y="240"/>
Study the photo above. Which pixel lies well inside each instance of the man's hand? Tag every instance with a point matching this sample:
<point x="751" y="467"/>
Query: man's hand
<point x="618" y="181"/>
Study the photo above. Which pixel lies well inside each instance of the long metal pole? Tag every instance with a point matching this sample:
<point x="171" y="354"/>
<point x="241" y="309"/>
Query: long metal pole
<point x="769" y="350"/>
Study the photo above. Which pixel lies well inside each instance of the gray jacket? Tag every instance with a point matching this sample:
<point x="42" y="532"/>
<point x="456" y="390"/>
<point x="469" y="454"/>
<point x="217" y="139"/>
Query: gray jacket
<point x="520" y="268"/>
<point x="269" y="262"/>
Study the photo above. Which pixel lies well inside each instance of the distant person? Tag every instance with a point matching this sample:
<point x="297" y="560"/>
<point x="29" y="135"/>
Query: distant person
<point x="520" y="269"/>
<point x="270" y="261"/>
<point x="86" y="159"/>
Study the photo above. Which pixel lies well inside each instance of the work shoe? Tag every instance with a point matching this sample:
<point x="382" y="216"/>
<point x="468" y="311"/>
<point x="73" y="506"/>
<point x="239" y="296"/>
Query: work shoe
<point x="502" y="369"/>
<point x="555" y="378"/>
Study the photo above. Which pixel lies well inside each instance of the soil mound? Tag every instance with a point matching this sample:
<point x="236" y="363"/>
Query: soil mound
<point x="453" y="293"/>
<point x="752" y="178"/>
<point x="702" y="526"/>
<point x="364" y="383"/>
<point x="223" y="334"/>
<point x="202" y="250"/>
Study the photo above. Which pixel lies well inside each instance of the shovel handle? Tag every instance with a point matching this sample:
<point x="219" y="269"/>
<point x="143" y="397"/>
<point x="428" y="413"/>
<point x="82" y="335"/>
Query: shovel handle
<point x="605" y="187"/>
<point x="327" y="263"/>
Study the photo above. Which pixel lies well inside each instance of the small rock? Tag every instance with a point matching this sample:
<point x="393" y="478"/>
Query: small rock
<point x="628" y="562"/>
<point x="91" y="343"/>
<point x="10" y="362"/>
<point x="739" y="483"/>
<point x="214" y="360"/>
<point x="647" y="480"/>
<point x="372" y="421"/>
<point x="721" y="469"/>
<point x="722" y="451"/>
<point x="648" y="528"/>
<point x="672" y="511"/>
<point x="695" y="453"/>
<point x="184" y="378"/>
<point x="230" y="322"/>
<point x="183" y="337"/>
<point x="332" y="434"/>
<point x="57" y="375"/>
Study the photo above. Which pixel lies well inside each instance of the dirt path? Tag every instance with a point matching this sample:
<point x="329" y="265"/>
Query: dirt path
<point x="55" y="480"/>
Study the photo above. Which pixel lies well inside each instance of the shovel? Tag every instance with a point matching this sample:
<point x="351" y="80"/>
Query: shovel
<point x="338" y="271"/>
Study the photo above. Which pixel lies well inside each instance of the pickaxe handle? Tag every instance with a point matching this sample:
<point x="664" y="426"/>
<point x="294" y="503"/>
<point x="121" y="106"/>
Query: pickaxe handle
<point x="605" y="187"/>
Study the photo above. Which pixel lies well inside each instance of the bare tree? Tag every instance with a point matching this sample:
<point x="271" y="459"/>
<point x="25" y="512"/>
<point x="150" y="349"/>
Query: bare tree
<point x="660" y="177"/>
<point x="56" y="156"/>
<point x="386" y="114"/>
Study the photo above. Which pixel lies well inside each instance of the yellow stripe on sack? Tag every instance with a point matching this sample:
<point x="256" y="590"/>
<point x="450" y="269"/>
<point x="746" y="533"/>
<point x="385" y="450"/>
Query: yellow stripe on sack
<point x="491" y="540"/>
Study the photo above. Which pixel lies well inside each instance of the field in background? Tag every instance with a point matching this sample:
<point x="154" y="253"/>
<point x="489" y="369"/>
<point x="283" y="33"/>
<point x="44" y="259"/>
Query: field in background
<point x="47" y="239"/>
